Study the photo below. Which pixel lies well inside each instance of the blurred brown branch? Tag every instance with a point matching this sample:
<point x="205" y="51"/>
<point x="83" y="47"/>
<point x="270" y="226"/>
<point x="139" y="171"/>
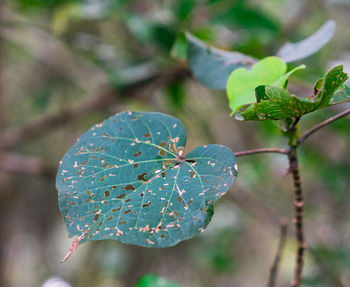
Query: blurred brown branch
<point x="50" y="50"/>
<point x="103" y="98"/>
<point x="17" y="163"/>
<point x="275" y="266"/>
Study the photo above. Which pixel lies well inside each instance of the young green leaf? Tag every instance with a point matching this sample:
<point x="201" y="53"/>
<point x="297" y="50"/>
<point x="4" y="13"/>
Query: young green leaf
<point x="291" y="52"/>
<point x="212" y="66"/>
<point x="242" y="82"/>
<point x="126" y="179"/>
<point x="276" y="103"/>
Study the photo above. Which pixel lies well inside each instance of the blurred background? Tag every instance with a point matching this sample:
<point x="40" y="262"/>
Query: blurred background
<point x="68" y="64"/>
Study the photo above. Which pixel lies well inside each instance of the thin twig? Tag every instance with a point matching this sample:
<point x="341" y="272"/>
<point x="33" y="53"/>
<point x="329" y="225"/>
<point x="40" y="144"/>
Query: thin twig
<point x="299" y="216"/>
<point x="262" y="150"/>
<point x="275" y="266"/>
<point x="321" y="125"/>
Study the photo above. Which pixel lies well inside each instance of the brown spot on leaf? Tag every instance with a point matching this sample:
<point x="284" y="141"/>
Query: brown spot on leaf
<point x="96" y="217"/>
<point x="117" y="209"/>
<point x="122" y="222"/>
<point x="107" y="193"/>
<point x="103" y="178"/>
<point x="142" y="176"/>
<point x="129" y="187"/>
<point x="136" y="165"/>
<point x="121" y="196"/>
<point x="127" y="211"/>
<point x="147" y="135"/>
<point x="162" y="153"/>
<point x="147" y="204"/>
<point x="137" y="154"/>
<point x="192" y="174"/>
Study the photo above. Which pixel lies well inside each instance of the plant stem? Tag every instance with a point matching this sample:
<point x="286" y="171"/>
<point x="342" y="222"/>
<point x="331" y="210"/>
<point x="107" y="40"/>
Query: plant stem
<point x="293" y="134"/>
<point x="261" y="150"/>
<point x="274" y="269"/>
<point x="321" y="125"/>
<point x="299" y="216"/>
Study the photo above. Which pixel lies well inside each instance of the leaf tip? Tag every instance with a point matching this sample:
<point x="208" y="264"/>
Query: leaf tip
<point x="72" y="248"/>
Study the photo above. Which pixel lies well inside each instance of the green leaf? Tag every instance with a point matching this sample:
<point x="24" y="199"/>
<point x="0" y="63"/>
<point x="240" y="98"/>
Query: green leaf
<point x="212" y="66"/>
<point x="184" y="8"/>
<point x="126" y="179"/>
<point x="333" y="81"/>
<point x="242" y="82"/>
<point x="276" y="103"/>
<point x="342" y="95"/>
<point x="150" y="280"/>
<point x="179" y="49"/>
<point x="248" y="17"/>
<point x="291" y="52"/>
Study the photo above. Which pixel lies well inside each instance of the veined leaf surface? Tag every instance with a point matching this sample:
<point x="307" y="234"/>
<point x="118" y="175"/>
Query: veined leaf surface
<point x="276" y="103"/>
<point x="126" y="179"/>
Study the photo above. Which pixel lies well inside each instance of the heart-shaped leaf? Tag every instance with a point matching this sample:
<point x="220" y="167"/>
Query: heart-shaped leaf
<point x="242" y="82"/>
<point x="276" y="103"/>
<point x="212" y="66"/>
<point x="291" y="52"/>
<point x="126" y="179"/>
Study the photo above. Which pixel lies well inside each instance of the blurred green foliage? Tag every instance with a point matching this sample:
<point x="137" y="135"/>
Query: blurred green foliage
<point x="151" y="280"/>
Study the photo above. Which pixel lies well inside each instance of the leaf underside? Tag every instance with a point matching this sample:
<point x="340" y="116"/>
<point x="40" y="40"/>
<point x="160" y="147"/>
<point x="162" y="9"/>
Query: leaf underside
<point x="291" y="52"/>
<point x="212" y="66"/>
<point x="276" y="103"/>
<point x="124" y="180"/>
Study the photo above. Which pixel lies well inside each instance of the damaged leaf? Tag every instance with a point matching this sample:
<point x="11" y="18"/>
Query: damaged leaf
<point x="212" y="66"/>
<point x="126" y="179"/>
<point x="276" y="103"/>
